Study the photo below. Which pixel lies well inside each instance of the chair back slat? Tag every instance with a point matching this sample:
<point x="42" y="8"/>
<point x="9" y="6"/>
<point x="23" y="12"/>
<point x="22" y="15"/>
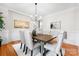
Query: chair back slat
<point x="22" y="37"/>
<point x="59" y="43"/>
<point x="29" y="40"/>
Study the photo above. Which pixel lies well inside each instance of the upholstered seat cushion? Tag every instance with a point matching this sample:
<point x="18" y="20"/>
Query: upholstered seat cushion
<point x="50" y="46"/>
<point x="36" y="45"/>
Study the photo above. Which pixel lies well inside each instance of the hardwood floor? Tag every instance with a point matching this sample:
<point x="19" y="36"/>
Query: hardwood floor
<point x="70" y="50"/>
<point x="8" y="50"/>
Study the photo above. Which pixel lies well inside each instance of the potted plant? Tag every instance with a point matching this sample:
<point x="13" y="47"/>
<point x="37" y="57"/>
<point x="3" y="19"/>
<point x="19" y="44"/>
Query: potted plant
<point x="1" y="27"/>
<point x="1" y="23"/>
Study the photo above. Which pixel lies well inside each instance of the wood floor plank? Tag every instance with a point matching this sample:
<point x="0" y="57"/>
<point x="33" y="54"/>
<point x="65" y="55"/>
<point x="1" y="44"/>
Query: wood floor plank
<point x="8" y="50"/>
<point x="70" y="50"/>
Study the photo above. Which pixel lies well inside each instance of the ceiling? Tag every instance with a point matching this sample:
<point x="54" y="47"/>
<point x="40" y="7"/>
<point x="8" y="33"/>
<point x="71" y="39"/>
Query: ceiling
<point x="43" y="9"/>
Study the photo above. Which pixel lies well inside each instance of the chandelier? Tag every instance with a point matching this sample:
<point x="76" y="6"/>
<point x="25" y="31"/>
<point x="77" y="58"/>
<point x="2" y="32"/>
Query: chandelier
<point x="37" y="18"/>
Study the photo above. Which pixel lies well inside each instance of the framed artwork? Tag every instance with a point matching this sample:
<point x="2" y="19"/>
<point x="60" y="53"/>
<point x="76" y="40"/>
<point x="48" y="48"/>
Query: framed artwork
<point x="21" y="24"/>
<point x="55" y="25"/>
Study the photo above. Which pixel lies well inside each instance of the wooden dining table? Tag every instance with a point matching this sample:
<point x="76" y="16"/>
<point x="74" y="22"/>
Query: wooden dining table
<point x="43" y="38"/>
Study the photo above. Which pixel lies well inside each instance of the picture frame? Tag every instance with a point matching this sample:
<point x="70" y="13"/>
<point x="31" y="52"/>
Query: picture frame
<point x="21" y="24"/>
<point x="55" y="25"/>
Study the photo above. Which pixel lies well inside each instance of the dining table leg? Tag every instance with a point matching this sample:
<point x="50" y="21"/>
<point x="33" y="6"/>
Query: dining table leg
<point x="42" y="48"/>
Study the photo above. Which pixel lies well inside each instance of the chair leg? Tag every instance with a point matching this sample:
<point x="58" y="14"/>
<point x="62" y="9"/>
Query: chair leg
<point x="57" y="54"/>
<point x="45" y="52"/>
<point x="24" y="48"/>
<point x="31" y="52"/>
<point x="21" y="46"/>
<point x="40" y="48"/>
<point x="61" y="52"/>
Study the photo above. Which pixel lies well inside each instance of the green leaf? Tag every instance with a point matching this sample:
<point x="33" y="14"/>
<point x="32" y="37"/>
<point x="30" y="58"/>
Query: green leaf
<point x="1" y="23"/>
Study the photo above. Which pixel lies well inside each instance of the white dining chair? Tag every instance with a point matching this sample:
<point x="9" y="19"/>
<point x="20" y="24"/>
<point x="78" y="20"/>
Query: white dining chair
<point x="55" y="33"/>
<point x="22" y="38"/>
<point x="29" y="42"/>
<point x="55" y="48"/>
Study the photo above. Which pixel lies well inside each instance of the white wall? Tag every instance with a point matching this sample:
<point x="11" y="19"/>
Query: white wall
<point x="15" y="31"/>
<point x="69" y="22"/>
<point x="77" y="19"/>
<point x="10" y="33"/>
<point x="66" y="17"/>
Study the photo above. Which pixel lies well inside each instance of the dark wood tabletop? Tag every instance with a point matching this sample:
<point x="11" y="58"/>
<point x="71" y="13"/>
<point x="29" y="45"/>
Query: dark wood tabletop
<point x="44" y="37"/>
